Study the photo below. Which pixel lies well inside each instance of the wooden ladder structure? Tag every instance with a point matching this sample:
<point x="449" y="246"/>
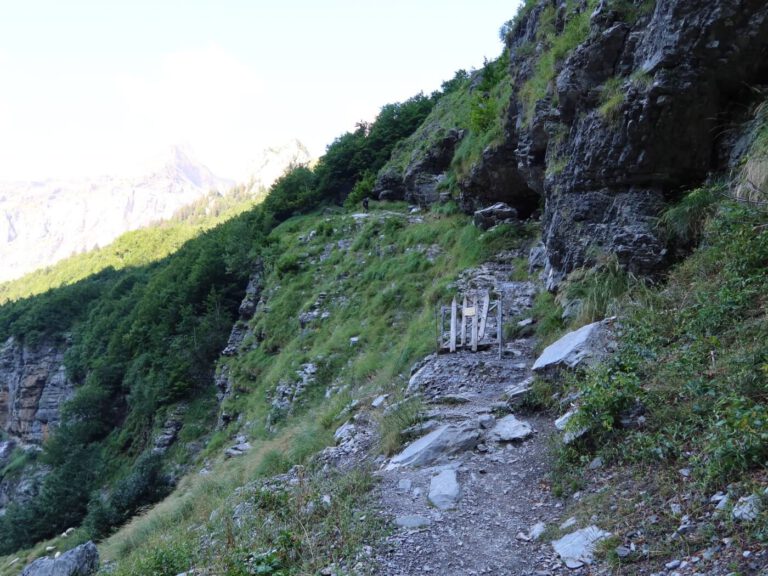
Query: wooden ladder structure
<point x="466" y="326"/>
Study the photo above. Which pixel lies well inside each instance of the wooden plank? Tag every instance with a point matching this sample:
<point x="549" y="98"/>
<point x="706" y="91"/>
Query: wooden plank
<point x="484" y="303"/>
<point x="452" y="341"/>
<point x="475" y="327"/>
<point x="463" y="331"/>
<point x="442" y="324"/>
<point x="500" y="324"/>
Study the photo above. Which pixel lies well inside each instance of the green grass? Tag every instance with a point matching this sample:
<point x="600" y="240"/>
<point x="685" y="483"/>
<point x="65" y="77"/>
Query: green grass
<point x="539" y="85"/>
<point x="612" y="98"/>
<point x="382" y="290"/>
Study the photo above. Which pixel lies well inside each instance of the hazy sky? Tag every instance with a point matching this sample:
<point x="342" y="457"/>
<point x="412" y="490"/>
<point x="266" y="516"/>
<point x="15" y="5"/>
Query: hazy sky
<point x="102" y="86"/>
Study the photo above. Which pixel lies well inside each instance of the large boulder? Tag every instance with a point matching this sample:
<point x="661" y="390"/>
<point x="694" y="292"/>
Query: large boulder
<point x="586" y="346"/>
<point x="438" y="445"/>
<point x="80" y="561"/>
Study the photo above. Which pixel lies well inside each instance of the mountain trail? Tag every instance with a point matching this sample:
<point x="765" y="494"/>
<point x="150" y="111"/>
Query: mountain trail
<point x="468" y="504"/>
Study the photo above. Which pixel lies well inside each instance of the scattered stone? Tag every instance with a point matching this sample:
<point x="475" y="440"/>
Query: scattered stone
<point x="404" y="485"/>
<point x="509" y="429"/>
<point x="438" y="445"/>
<point x="354" y="340"/>
<point x="486" y="421"/>
<point x="577" y="548"/>
<point x="568" y="523"/>
<point x="412" y="521"/>
<point x="525" y="323"/>
<point x="80" y="561"/>
<point x="517" y="390"/>
<point x="344" y="432"/>
<point x="379" y="401"/>
<point x="570" y="435"/>
<point x="444" y="490"/>
<point x="237" y="450"/>
<point x="523" y="536"/>
<point x="596" y="463"/>
<point x="747" y="508"/>
<point x="622" y="551"/>
<point x="672" y="565"/>
<point x="537" y="530"/>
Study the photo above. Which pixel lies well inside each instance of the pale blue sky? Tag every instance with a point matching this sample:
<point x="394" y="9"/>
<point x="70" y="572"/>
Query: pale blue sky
<point x="91" y="87"/>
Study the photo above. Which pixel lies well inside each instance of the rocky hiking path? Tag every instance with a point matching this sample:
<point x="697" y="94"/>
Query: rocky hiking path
<point x="470" y="495"/>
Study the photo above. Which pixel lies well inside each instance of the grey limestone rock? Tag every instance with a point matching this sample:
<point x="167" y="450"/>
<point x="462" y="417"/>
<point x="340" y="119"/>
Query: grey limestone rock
<point x="509" y="429"/>
<point x="438" y="445"/>
<point x="577" y="548"/>
<point x="747" y="508"/>
<point x="80" y="561"/>
<point x="444" y="490"/>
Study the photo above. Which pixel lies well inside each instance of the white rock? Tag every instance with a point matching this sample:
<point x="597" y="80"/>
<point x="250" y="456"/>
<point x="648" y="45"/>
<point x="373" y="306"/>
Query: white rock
<point x="570" y="435"/>
<point x="344" y="432"/>
<point x="412" y="521"/>
<point x="510" y="428"/>
<point x="444" y="490"/>
<point x="568" y="523"/>
<point x="577" y="548"/>
<point x="747" y="508"/>
<point x="404" y="485"/>
<point x="379" y="401"/>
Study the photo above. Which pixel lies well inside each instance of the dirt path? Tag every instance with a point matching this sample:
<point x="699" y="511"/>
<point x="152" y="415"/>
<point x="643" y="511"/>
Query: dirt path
<point x="502" y="485"/>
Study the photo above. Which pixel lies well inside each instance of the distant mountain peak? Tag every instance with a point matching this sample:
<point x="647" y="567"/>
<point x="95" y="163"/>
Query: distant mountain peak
<point x="272" y="162"/>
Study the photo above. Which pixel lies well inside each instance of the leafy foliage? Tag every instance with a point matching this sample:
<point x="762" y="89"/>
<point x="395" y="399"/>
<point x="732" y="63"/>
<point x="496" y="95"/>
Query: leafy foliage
<point x="693" y="355"/>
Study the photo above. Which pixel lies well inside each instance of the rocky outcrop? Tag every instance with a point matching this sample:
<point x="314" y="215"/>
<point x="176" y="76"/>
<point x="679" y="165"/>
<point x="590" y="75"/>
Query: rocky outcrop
<point x="637" y="108"/>
<point x="240" y="331"/>
<point x="33" y="386"/>
<point x="80" y="561"/>
<point x="19" y="486"/>
<point x="419" y="181"/>
<point x="631" y="115"/>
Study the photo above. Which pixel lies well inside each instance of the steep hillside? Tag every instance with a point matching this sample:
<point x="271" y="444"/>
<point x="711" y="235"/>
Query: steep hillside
<point x="268" y="389"/>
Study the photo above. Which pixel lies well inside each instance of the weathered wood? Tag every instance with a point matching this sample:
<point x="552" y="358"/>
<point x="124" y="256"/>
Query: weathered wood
<point x="484" y="303"/>
<point x="442" y="326"/>
<point x="463" y="331"/>
<point x="500" y="323"/>
<point x="475" y="325"/>
<point x="452" y="341"/>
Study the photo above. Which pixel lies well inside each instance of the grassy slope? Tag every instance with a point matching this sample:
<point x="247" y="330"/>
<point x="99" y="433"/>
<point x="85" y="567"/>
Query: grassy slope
<point x="382" y="290"/>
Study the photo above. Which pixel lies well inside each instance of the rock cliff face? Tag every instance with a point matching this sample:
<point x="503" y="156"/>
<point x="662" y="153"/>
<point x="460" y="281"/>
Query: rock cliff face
<point x="33" y="386"/>
<point x="616" y="108"/>
<point x="635" y="113"/>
